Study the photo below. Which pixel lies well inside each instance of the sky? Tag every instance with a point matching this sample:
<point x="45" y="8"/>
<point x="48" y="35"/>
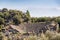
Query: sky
<point x="37" y="8"/>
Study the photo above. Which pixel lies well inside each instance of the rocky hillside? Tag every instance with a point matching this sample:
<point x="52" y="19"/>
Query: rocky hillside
<point x="16" y="24"/>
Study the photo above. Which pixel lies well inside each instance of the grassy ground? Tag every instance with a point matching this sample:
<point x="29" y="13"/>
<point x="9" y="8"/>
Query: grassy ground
<point x="49" y="35"/>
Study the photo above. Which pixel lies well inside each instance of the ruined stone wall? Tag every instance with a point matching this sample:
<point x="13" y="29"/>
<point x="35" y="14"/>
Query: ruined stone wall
<point x="37" y="27"/>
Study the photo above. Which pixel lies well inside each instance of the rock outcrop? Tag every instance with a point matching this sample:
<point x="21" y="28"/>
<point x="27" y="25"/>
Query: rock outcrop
<point x="36" y="27"/>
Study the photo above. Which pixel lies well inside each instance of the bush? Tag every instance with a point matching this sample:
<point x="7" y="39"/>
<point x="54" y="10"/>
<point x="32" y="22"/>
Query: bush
<point x="31" y="38"/>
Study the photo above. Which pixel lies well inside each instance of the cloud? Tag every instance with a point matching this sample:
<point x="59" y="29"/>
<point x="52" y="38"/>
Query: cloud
<point x="37" y="8"/>
<point x="38" y="12"/>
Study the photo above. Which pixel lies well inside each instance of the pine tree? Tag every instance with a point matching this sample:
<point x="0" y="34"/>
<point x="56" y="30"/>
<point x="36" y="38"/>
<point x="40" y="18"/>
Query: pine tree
<point x="28" y="16"/>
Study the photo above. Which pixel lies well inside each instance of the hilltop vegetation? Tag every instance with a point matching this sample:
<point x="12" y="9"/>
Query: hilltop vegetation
<point x="17" y="17"/>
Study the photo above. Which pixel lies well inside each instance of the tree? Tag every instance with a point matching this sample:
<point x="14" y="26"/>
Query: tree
<point x="6" y="14"/>
<point x="17" y="19"/>
<point x="28" y="16"/>
<point x="1" y="20"/>
<point x="34" y="20"/>
<point x="1" y="14"/>
<point x="58" y="20"/>
<point x="4" y="10"/>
